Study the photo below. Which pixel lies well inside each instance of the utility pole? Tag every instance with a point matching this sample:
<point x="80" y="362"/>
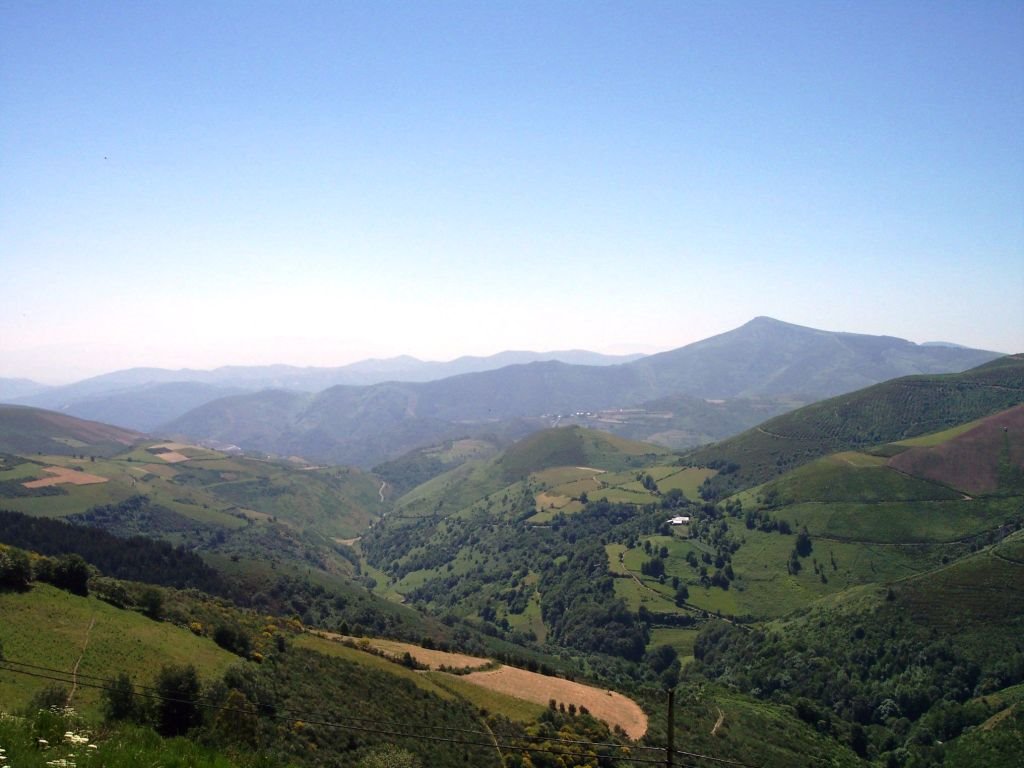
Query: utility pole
<point x="671" y="727"/>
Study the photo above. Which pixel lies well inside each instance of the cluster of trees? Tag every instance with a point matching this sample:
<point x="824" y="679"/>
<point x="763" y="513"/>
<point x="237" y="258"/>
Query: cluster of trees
<point x="874" y="679"/>
<point x="566" y="559"/>
<point x="18" y="570"/>
<point x="257" y="708"/>
<point x="136" y="558"/>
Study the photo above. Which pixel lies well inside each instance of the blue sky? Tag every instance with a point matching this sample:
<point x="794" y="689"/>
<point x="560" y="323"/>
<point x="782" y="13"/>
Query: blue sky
<point x="197" y="184"/>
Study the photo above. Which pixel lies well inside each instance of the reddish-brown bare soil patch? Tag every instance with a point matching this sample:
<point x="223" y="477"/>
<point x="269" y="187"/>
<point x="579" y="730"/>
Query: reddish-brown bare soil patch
<point x="65" y="475"/>
<point x="172" y="457"/>
<point x="970" y="462"/>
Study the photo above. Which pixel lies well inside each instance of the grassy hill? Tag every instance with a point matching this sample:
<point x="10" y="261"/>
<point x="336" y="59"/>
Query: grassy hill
<point x="418" y="466"/>
<point x="569" y="447"/>
<point x="25" y="430"/>
<point x="884" y="413"/>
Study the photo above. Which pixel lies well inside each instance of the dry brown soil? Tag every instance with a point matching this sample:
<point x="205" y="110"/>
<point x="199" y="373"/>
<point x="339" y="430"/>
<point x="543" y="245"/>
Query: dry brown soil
<point x="613" y="708"/>
<point x="64" y="475"/>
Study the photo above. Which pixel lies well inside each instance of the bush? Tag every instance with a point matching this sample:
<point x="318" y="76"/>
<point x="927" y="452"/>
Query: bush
<point x="233" y="638"/>
<point x="15" y="570"/>
<point x="152" y="602"/>
<point x="68" y="572"/>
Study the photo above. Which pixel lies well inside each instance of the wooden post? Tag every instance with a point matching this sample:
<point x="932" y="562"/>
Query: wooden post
<point x="671" y="727"/>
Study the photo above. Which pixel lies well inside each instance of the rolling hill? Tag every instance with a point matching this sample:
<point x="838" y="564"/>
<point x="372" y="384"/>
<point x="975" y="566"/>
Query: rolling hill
<point x="786" y="365"/>
<point x="26" y="430"/>
<point x="888" y="412"/>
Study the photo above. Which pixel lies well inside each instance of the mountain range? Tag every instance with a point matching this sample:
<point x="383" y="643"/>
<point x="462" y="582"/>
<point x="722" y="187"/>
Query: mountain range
<point x="758" y="370"/>
<point x="144" y="398"/>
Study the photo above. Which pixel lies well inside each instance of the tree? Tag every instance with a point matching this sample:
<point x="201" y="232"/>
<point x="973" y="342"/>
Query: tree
<point x="803" y="543"/>
<point x="178" y="706"/>
<point x="682" y="595"/>
<point x="152" y="602"/>
<point x="119" y="699"/>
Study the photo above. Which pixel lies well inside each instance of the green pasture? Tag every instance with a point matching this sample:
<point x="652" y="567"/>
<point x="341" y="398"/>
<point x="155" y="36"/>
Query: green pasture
<point x="637" y="596"/>
<point x="615" y="551"/>
<point x="78" y="499"/>
<point x="620" y="495"/>
<point x="48" y="627"/>
<point x="849" y="476"/>
<point x="373" y="661"/>
<point x="688" y="480"/>
<point x="556" y="476"/>
<point x="25" y="471"/>
<point x="574" y="488"/>
<point x="902" y="522"/>
<point x="483" y="698"/>
<point x="680" y="638"/>
<point x="529" y="620"/>
<point x="938" y="438"/>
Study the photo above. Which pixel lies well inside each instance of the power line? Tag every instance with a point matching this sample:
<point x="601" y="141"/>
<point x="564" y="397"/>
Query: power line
<point x="329" y="724"/>
<point x="60" y="676"/>
<point x="300" y="714"/>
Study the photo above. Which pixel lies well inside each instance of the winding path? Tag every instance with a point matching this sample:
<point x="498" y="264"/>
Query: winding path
<point x="74" y="670"/>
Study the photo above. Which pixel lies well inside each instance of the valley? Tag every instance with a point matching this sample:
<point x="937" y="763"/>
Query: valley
<point x="546" y="592"/>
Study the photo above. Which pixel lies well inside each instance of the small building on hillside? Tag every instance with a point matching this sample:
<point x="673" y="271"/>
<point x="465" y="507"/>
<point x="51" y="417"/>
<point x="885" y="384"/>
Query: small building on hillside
<point x="678" y="521"/>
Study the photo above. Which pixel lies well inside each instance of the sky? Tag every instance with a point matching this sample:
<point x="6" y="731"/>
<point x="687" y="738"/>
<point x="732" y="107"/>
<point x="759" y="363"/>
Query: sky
<point x="195" y="184"/>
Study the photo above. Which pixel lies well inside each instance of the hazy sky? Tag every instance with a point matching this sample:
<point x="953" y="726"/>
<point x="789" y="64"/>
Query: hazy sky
<point x="198" y="184"/>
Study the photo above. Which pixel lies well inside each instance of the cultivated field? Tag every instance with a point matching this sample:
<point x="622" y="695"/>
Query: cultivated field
<point x="64" y="475"/>
<point x="613" y="708"/>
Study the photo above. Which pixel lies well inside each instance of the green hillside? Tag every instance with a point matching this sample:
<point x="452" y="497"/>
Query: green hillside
<point x="417" y="467"/>
<point x="206" y="498"/>
<point x="26" y="430"/>
<point x="524" y="461"/>
<point x="922" y="648"/>
<point x="884" y="413"/>
<point x="52" y="628"/>
<point x="85" y="639"/>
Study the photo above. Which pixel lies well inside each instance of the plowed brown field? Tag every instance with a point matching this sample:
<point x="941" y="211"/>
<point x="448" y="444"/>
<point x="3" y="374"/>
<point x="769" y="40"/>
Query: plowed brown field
<point x="64" y="475"/>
